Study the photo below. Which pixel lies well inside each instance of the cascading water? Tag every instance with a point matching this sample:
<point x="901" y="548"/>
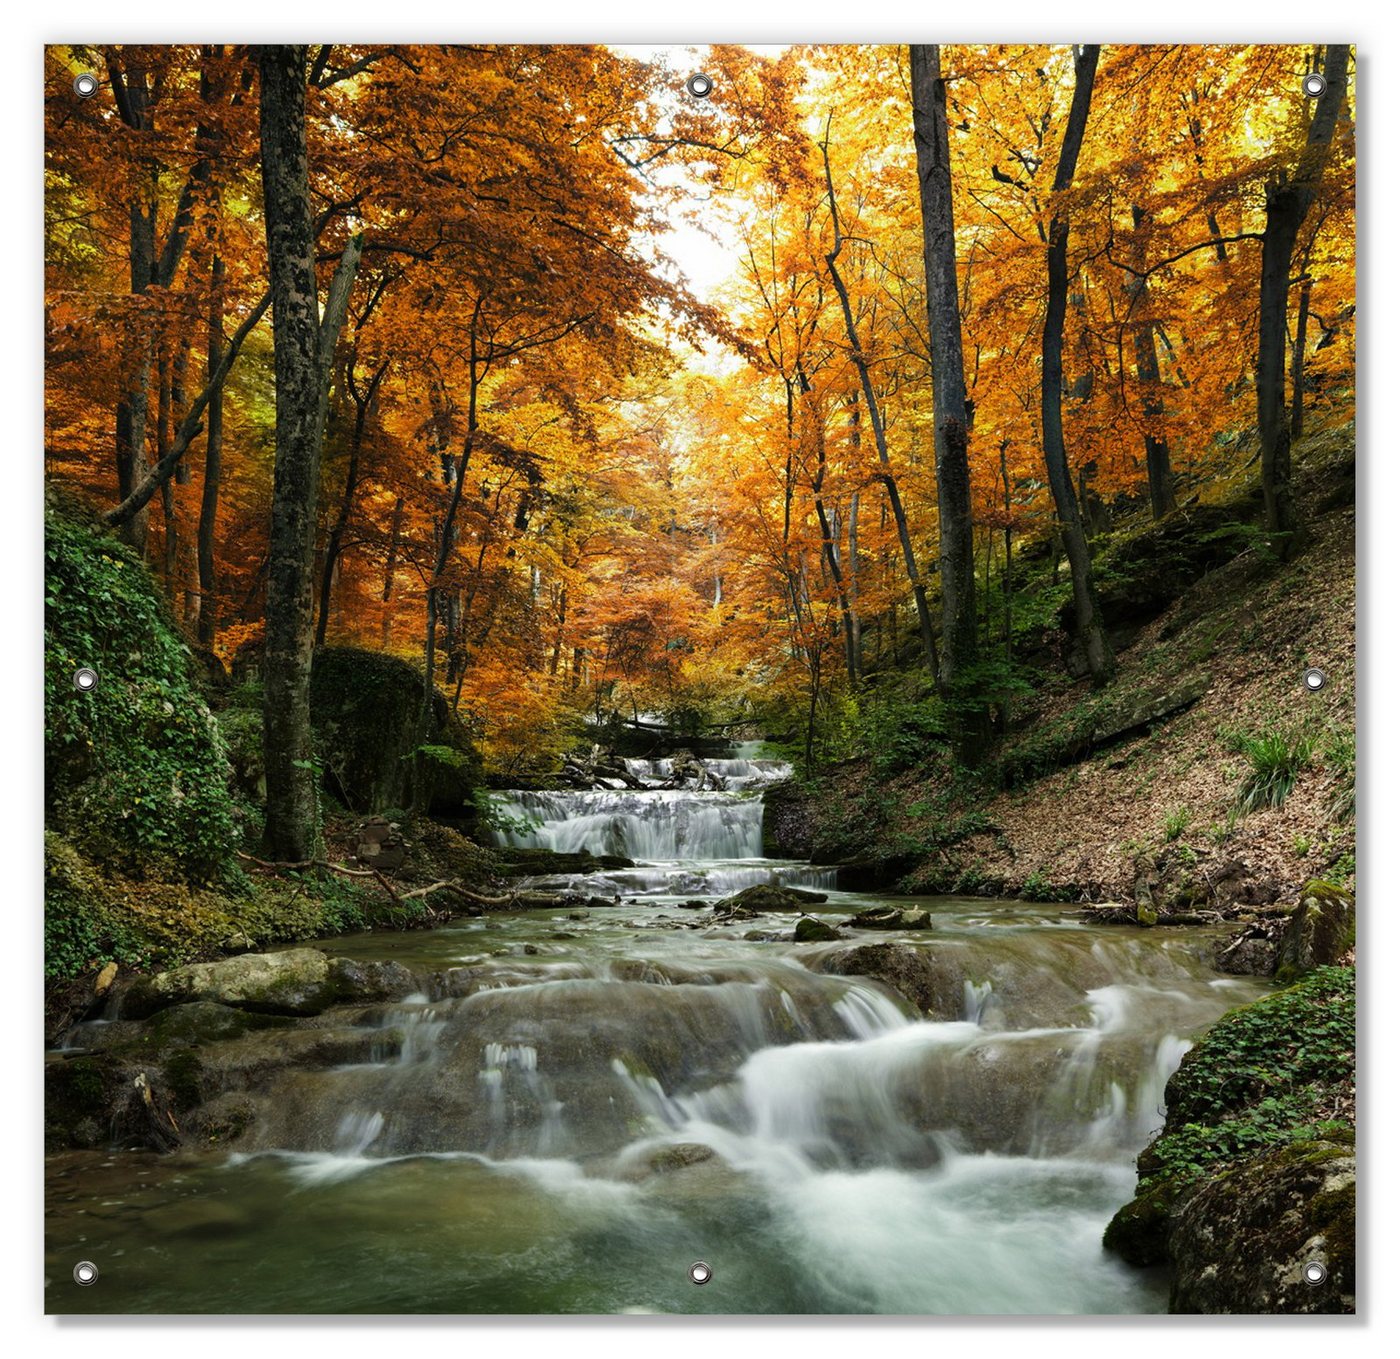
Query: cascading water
<point x="578" y="1105"/>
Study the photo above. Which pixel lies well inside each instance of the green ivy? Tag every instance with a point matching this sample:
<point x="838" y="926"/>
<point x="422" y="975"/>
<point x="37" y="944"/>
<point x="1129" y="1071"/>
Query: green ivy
<point x="1260" y="1077"/>
<point x="136" y="770"/>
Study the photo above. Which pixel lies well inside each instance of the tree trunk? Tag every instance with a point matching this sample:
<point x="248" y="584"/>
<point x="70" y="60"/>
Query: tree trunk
<point x="1088" y="624"/>
<point x="213" y="461"/>
<point x="363" y="406"/>
<point x="303" y="342"/>
<point x="390" y="566"/>
<point x="1160" y="488"/>
<point x="1286" y="203"/>
<point x="877" y="429"/>
<point x="1300" y="355"/>
<point x="957" y="574"/>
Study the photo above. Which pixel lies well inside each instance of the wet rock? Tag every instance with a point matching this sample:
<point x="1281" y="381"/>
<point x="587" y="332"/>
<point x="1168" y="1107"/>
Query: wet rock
<point x="910" y="972"/>
<point x="1319" y="932"/>
<point x="203" y="1021"/>
<point x="767" y="897"/>
<point x="811" y="931"/>
<point x="692" y="905"/>
<point x="678" y="1156"/>
<point x="104" y="981"/>
<point x="368" y="980"/>
<point x="889" y="918"/>
<point x="295" y="982"/>
<point x="1248" y="954"/>
<point x="302" y="981"/>
<point x="1240" y="1244"/>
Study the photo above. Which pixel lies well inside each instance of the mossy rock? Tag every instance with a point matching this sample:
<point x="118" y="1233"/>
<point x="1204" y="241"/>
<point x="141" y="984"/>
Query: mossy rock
<point x="366" y="712"/>
<point x="763" y="897"/>
<point x="136" y="769"/>
<point x="809" y="930"/>
<point x="530" y="862"/>
<point x="1139" y="1232"/>
<point x="1319" y="932"/>
<point x="294" y="982"/>
<point x="78" y="1098"/>
<point x="1240" y="1243"/>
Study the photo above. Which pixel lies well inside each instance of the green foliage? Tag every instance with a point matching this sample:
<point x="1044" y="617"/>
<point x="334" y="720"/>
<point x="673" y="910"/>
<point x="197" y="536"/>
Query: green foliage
<point x="1176" y="822"/>
<point x="1276" y="758"/>
<point x="1261" y="1076"/>
<point x="1339" y="755"/>
<point x="1038" y="887"/>
<point x="137" y="770"/>
<point x="901" y="732"/>
<point x="80" y="933"/>
<point x="491" y="816"/>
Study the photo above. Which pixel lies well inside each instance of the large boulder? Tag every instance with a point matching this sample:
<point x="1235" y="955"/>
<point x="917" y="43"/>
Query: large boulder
<point x="1319" y="932"/>
<point x="366" y="711"/>
<point x="1241" y="1244"/>
<point x="766" y="897"/>
<point x="136" y="769"/>
<point x="299" y="981"/>
<point x="914" y="973"/>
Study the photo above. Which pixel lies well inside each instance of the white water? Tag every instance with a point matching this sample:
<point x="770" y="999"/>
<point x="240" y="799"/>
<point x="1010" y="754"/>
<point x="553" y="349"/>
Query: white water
<point x="830" y="1150"/>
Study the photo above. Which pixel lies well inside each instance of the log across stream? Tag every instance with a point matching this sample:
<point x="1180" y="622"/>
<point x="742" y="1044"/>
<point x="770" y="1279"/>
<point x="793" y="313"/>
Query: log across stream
<point x="625" y="1090"/>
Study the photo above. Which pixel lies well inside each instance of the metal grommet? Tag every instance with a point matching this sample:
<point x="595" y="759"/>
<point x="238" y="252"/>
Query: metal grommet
<point x="700" y="1273"/>
<point x="85" y="1273"/>
<point x="700" y="85"/>
<point x="1314" y="679"/>
<point x="1314" y="1272"/>
<point x="1314" y="84"/>
<point x="85" y="679"/>
<point x="85" y="85"/>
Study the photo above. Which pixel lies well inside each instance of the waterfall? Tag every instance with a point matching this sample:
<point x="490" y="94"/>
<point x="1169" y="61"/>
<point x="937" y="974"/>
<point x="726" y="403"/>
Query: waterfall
<point x="577" y="1105"/>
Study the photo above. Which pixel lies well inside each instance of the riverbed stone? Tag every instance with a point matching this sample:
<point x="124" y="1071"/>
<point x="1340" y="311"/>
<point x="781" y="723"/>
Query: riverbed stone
<point x="1319" y="932"/>
<point x="763" y="897"/>
<point x="889" y="918"/>
<point x="913" y="973"/>
<point x="809" y="930"/>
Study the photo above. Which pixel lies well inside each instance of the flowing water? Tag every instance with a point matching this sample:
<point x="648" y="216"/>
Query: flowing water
<point x="590" y="1101"/>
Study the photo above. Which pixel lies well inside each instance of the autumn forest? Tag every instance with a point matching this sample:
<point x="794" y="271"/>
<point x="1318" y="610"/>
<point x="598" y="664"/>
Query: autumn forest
<point x="931" y="437"/>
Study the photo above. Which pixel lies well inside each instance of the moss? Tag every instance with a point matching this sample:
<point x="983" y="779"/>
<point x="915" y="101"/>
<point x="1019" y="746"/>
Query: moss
<point x="184" y="1077"/>
<point x="77" y="1101"/>
<point x="136" y="770"/>
<point x="1140" y="1230"/>
<point x="1261" y="1083"/>
<point x="366" y="712"/>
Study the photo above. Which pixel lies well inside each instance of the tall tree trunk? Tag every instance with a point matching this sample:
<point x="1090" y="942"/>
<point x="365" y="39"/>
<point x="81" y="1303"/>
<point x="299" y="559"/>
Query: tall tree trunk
<point x="1287" y="200"/>
<point x="213" y="461"/>
<point x="877" y="429"/>
<point x="1300" y="355"/>
<point x="957" y="574"/>
<point x="1160" y="488"/>
<point x="303" y="343"/>
<point x="391" y="562"/>
<point x="134" y="404"/>
<point x="363" y="407"/>
<point x="1088" y="624"/>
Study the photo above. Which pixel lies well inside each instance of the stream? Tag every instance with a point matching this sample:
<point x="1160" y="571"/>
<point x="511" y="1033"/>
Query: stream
<point x="629" y="1089"/>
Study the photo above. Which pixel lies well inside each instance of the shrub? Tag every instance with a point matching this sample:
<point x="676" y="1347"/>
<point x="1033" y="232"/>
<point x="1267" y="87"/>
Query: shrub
<point x="1276" y="759"/>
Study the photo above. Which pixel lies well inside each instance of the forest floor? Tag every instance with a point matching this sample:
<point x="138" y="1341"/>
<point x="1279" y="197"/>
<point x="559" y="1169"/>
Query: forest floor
<point x="1158" y="809"/>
